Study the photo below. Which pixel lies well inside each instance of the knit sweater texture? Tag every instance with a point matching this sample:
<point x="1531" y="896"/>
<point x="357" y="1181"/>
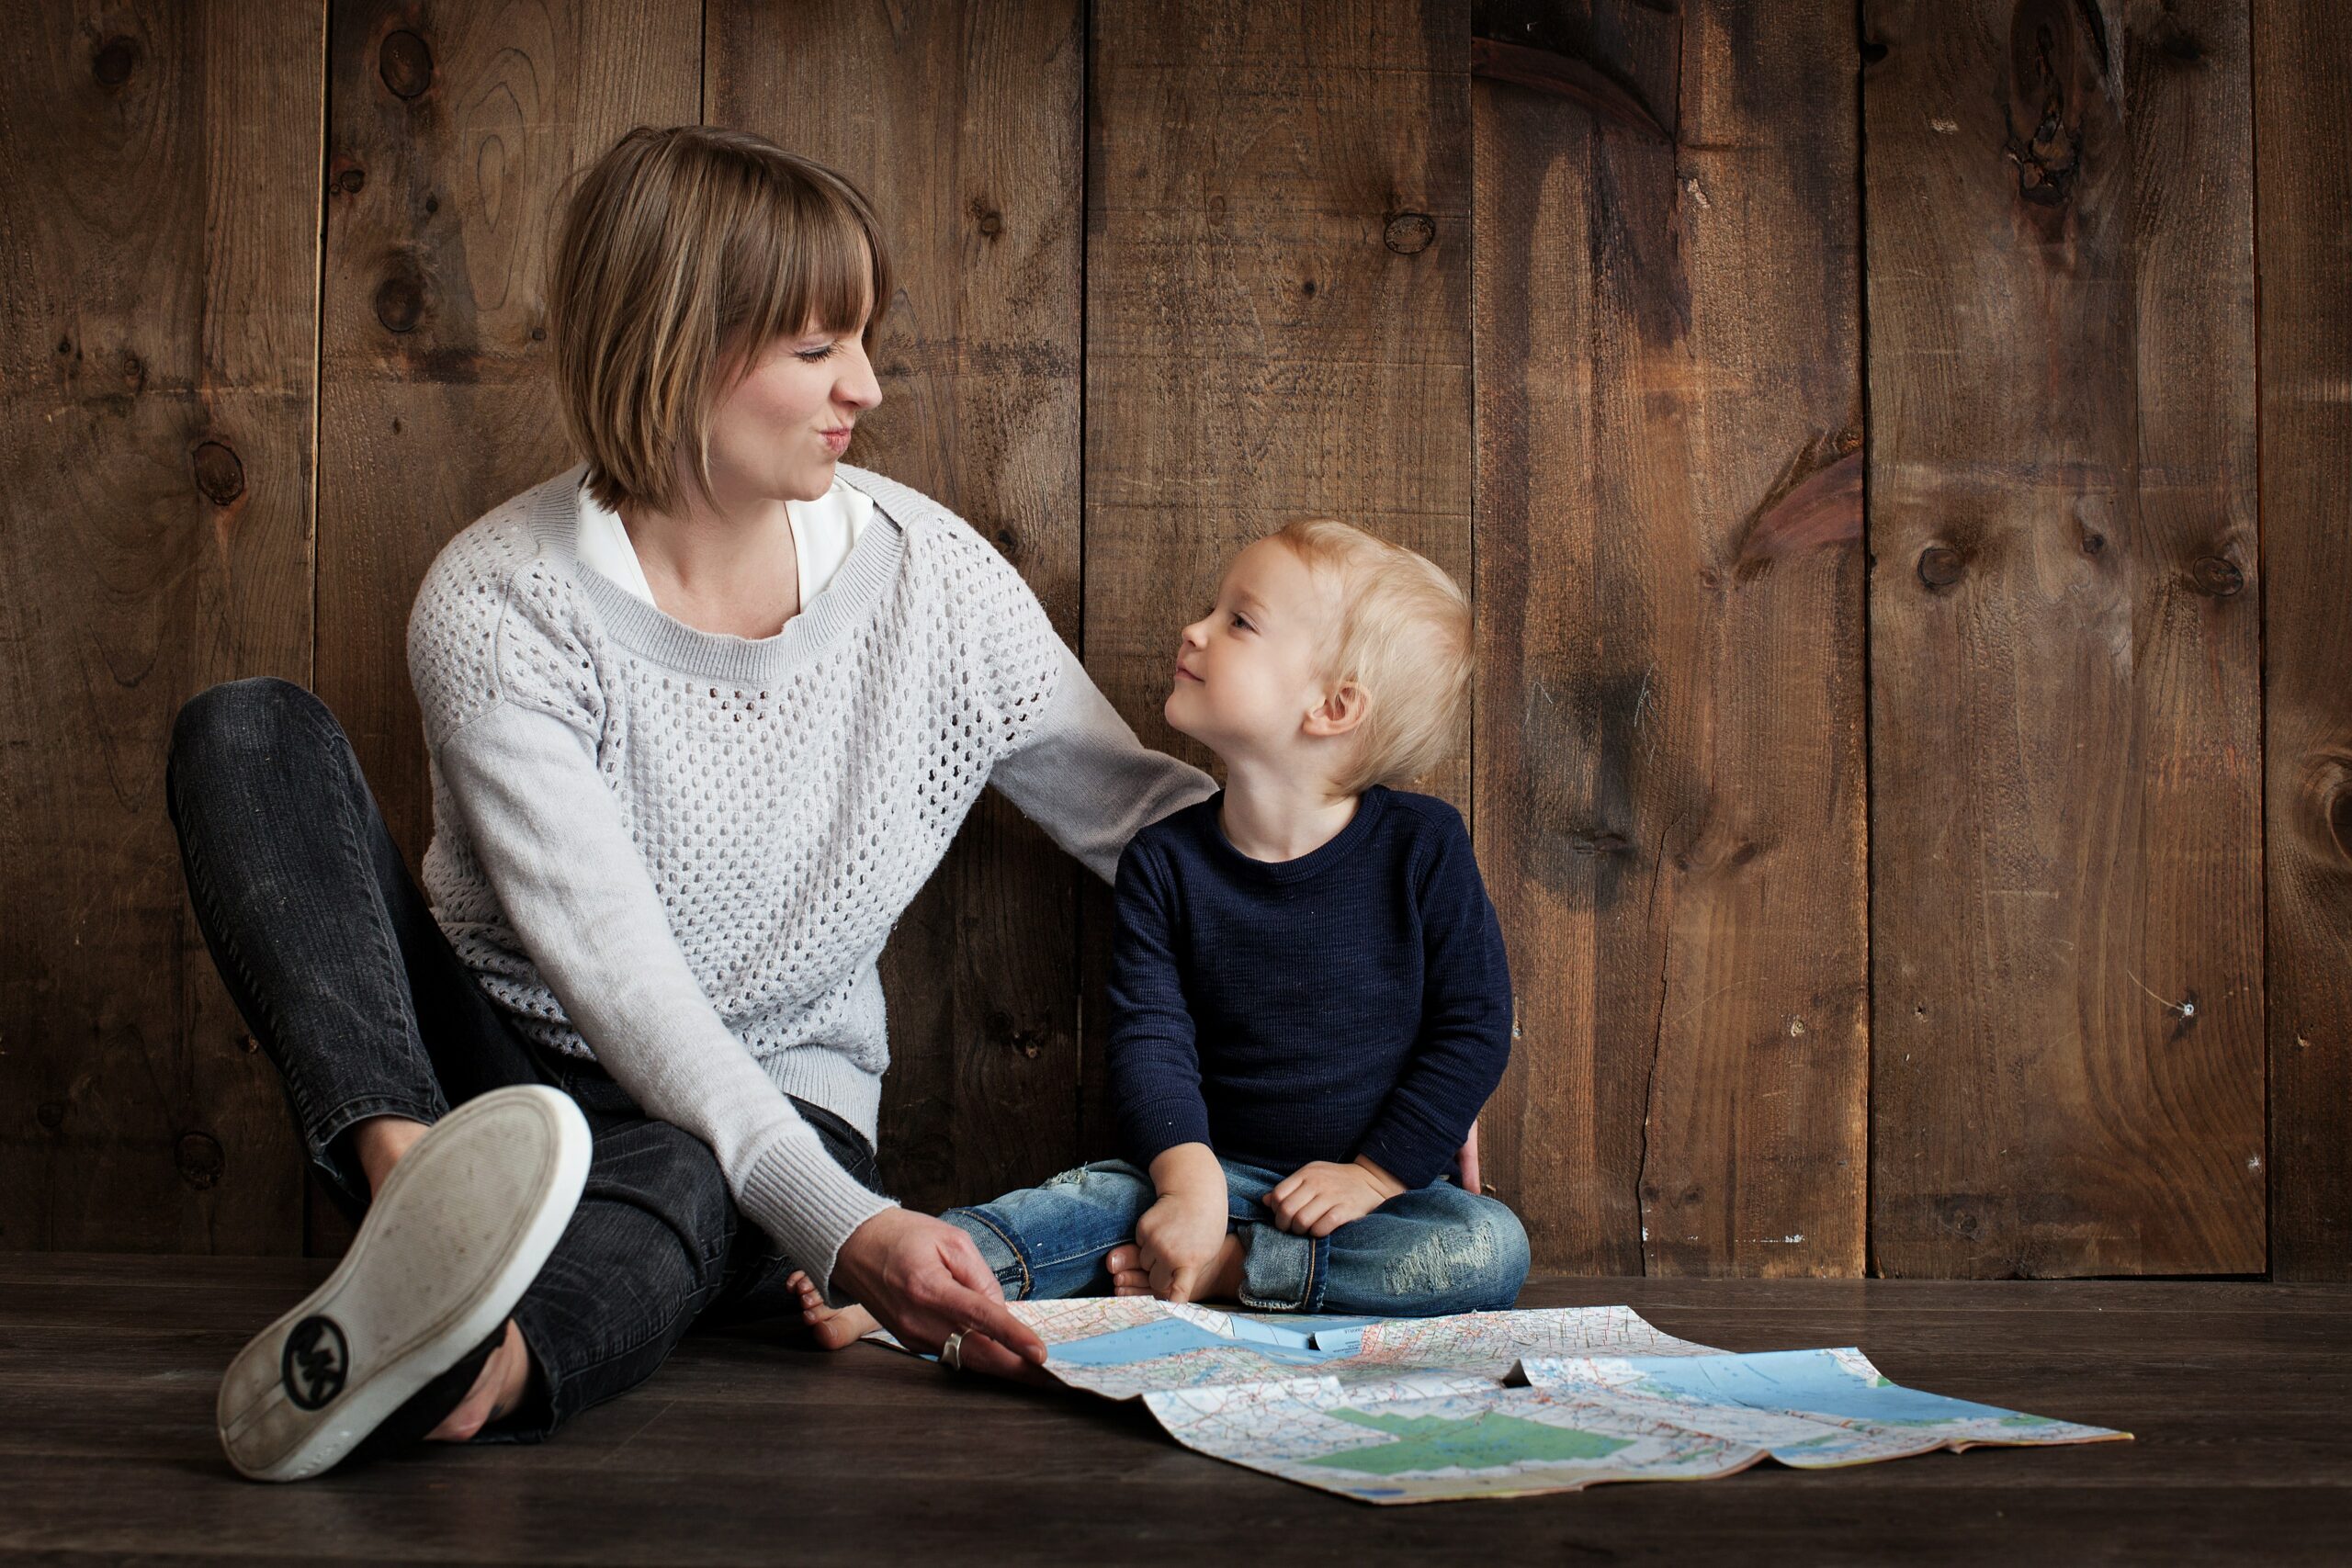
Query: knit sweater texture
<point x="681" y="852"/>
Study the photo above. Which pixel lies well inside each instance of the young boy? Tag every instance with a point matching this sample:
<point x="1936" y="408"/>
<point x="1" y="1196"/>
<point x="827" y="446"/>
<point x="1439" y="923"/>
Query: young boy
<point x="1309" y="997"/>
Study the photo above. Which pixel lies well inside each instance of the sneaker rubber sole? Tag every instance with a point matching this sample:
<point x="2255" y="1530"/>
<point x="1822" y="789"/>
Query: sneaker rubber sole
<point x="448" y="1246"/>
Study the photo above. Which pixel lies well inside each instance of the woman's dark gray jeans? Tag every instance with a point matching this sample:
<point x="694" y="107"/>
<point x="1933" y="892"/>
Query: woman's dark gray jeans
<point x="335" y="959"/>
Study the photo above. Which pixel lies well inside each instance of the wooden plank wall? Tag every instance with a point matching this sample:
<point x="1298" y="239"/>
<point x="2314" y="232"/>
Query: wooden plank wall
<point x="1670" y="750"/>
<point x="2302" y="64"/>
<point x="1847" y="422"/>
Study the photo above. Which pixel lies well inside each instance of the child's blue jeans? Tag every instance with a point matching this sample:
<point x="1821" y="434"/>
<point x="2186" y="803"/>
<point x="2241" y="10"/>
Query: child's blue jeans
<point x="1435" y="1250"/>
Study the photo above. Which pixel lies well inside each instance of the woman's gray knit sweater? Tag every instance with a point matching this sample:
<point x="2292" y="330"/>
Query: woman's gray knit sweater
<point x="681" y="852"/>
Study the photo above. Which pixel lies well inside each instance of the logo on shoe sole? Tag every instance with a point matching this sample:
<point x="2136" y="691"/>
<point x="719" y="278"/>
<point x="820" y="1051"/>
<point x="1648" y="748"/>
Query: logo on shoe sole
<point x="315" y="1362"/>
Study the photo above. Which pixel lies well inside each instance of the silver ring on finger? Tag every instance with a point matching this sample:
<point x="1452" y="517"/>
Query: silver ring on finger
<point x="951" y="1354"/>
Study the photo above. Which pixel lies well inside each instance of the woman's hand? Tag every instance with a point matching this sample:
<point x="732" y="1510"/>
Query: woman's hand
<point x="1319" y="1197"/>
<point x="1473" y="1179"/>
<point x="923" y="1280"/>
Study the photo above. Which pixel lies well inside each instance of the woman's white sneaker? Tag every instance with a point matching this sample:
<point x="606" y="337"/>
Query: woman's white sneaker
<point x="458" y="1234"/>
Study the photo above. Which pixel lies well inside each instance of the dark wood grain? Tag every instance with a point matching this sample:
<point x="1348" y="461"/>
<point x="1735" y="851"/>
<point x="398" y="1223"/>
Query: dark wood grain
<point x="2303" y="81"/>
<point x="456" y="133"/>
<point x="1671" y="772"/>
<point x="743" y="1449"/>
<point x="964" y="124"/>
<point x="2065" y="742"/>
<point x="158" y="392"/>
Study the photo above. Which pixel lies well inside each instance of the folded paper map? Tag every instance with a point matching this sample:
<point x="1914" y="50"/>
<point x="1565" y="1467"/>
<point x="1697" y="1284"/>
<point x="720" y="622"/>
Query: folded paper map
<point x="1496" y="1404"/>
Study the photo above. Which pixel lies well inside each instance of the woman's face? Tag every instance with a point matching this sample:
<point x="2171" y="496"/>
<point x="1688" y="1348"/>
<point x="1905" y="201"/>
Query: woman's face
<point x="780" y="432"/>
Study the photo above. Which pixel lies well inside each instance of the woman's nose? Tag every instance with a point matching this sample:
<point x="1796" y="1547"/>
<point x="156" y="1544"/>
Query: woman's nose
<point x="859" y="387"/>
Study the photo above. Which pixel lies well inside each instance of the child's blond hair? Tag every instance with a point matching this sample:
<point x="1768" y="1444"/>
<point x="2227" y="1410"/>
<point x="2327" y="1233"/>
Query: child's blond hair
<point x="683" y="253"/>
<point x="1403" y="637"/>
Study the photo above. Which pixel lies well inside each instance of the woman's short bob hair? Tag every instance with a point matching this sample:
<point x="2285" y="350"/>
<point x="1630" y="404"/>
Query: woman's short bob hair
<point x="1402" y="633"/>
<point x="683" y="252"/>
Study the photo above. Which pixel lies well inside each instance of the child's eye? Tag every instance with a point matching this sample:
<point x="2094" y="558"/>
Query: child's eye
<point x="1243" y="622"/>
<point x="813" y="355"/>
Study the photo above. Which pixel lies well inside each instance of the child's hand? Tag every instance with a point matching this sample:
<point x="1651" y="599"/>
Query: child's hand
<point x="1179" y="1237"/>
<point x="1319" y="1197"/>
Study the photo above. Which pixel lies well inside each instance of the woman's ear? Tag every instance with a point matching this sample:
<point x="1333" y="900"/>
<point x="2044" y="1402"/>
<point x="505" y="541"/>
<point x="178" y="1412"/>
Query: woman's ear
<point x="1341" y="709"/>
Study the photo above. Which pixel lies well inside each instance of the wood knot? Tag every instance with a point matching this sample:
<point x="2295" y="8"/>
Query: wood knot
<point x="1410" y="233"/>
<point x="50" y="1115"/>
<point x="1939" y="566"/>
<point x="2336" y="811"/>
<point x="405" y="64"/>
<point x="115" y="60"/>
<point x="220" y="475"/>
<point x="990" y="221"/>
<point x="348" y="180"/>
<point x="200" y="1159"/>
<point x="2216" y="576"/>
<point x="400" y="300"/>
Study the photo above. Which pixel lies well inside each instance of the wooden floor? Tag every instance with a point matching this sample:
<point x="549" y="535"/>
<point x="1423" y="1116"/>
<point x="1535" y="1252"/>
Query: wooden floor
<point x="745" y="1450"/>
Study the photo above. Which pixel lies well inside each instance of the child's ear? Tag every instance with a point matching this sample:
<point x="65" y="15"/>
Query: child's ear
<point x="1341" y="709"/>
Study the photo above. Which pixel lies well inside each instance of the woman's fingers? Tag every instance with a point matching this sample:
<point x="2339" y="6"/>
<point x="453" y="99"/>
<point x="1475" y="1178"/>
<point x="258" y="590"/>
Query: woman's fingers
<point x="976" y="1302"/>
<point x="974" y="1313"/>
<point x="978" y="1353"/>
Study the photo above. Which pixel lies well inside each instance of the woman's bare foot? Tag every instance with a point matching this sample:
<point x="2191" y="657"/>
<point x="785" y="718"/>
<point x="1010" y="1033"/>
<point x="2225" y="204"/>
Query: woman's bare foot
<point x="495" y="1393"/>
<point x="836" y="1329"/>
<point x="1220" y="1282"/>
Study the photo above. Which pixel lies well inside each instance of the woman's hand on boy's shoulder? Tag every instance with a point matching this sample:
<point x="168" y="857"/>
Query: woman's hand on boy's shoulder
<point x="1319" y="1197"/>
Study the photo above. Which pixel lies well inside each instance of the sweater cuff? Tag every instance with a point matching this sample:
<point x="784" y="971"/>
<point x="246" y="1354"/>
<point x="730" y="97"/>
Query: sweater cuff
<point x="1160" y="1125"/>
<point x="1413" y="1156"/>
<point x="800" y="1195"/>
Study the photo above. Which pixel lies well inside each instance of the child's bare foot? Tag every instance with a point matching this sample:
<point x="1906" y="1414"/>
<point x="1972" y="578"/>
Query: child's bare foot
<point x="1221" y="1281"/>
<point x="835" y="1328"/>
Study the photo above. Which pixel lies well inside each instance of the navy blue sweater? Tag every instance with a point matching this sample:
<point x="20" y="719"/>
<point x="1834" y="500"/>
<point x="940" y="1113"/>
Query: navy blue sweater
<point x="1354" y="1001"/>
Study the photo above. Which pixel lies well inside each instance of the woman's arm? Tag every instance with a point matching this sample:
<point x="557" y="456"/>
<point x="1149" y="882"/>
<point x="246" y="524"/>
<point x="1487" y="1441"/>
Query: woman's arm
<point x="1083" y="776"/>
<point x="549" y="835"/>
<point x="550" y="838"/>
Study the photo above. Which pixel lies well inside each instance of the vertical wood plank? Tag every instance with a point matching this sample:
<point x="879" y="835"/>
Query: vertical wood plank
<point x="1277" y="286"/>
<point x="2067" y="933"/>
<point x="158" y="170"/>
<point x="2302" y="82"/>
<point x="1670" y="753"/>
<point x="963" y="124"/>
<point x="456" y="133"/>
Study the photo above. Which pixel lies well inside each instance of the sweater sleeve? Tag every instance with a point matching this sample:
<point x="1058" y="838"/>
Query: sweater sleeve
<point x="519" y="765"/>
<point x="1081" y="776"/>
<point x="1153" y="1058"/>
<point x="1465" y="1039"/>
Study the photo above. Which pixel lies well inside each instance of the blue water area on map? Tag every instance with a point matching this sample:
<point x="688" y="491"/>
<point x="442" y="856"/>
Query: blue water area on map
<point x="1305" y="1331"/>
<point x="1804" y="1381"/>
<point x="1172" y="1336"/>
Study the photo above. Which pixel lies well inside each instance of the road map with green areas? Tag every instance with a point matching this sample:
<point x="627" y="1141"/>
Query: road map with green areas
<point x="1498" y="1403"/>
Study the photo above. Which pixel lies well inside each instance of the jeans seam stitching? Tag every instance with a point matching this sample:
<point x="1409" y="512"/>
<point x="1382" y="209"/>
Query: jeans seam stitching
<point x="1027" y="1280"/>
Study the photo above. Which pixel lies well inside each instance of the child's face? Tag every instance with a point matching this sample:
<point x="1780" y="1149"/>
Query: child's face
<point x="1245" y="678"/>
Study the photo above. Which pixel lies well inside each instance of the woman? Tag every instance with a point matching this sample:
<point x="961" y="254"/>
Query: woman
<point x="703" y="713"/>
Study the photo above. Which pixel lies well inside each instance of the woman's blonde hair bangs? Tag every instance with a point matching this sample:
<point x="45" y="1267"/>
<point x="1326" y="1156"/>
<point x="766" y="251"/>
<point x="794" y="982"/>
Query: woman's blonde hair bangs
<point x="683" y="252"/>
